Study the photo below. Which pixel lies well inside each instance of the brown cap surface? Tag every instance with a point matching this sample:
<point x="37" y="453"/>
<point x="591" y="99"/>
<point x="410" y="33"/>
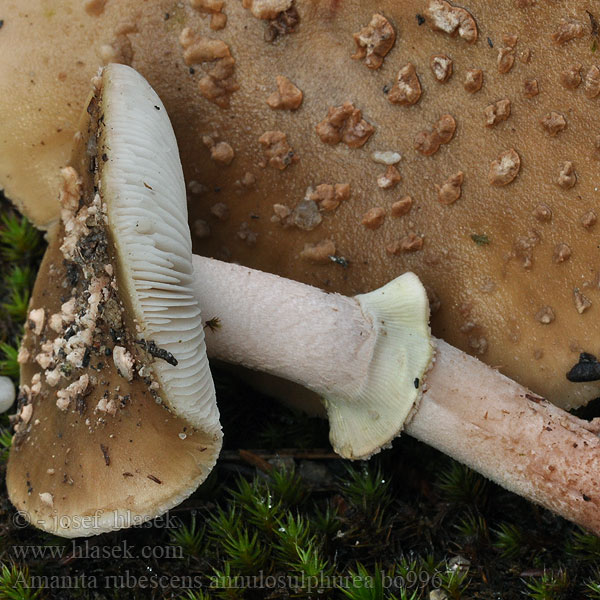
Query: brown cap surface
<point x="117" y="419"/>
<point x="114" y="458"/>
<point x="507" y="250"/>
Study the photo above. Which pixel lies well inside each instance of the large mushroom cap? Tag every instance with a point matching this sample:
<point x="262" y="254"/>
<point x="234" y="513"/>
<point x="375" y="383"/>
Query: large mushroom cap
<point x="117" y="420"/>
<point x="490" y="104"/>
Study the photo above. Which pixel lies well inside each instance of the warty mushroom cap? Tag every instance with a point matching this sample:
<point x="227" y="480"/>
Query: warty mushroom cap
<point x="509" y="266"/>
<point x="7" y="393"/>
<point x="503" y="430"/>
<point x="117" y="419"/>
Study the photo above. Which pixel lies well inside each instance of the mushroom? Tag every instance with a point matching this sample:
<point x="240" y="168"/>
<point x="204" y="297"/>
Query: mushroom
<point x="117" y="419"/>
<point x="467" y="409"/>
<point x="7" y="393"/>
<point x="487" y="258"/>
<point x="368" y="357"/>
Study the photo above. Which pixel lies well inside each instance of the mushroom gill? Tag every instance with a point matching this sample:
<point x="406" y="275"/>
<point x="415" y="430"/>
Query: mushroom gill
<point x="116" y="420"/>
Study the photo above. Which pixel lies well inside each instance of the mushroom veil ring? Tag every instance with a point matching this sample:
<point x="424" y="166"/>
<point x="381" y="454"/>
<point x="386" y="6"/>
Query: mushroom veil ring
<point x="117" y="414"/>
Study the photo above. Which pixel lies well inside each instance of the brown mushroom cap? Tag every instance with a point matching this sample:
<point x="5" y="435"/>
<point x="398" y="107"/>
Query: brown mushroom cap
<point x="493" y="251"/>
<point x="103" y="471"/>
<point x="117" y="420"/>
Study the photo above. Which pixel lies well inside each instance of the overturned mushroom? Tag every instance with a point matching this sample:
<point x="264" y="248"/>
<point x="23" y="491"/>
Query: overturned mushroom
<point x="497" y="287"/>
<point x="466" y="409"/>
<point x="368" y="357"/>
<point x="117" y="420"/>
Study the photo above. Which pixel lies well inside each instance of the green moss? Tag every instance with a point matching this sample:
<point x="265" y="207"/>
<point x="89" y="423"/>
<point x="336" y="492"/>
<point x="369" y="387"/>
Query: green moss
<point x="15" y="584"/>
<point x="550" y="586"/>
<point x="462" y="486"/>
<point x="20" y="242"/>
<point x="189" y="538"/>
<point x="509" y="541"/>
<point x="480" y="239"/>
<point x="9" y="365"/>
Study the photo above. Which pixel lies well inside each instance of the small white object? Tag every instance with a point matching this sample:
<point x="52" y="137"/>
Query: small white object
<point x="7" y="393"/>
<point x="38" y="318"/>
<point x="387" y="158"/>
<point x="47" y="498"/>
<point x="124" y="362"/>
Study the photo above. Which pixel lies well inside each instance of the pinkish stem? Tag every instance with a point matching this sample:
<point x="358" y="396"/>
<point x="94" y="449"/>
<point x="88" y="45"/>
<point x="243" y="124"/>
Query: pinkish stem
<point x="519" y="440"/>
<point x="283" y="327"/>
<point x="468" y="410"/>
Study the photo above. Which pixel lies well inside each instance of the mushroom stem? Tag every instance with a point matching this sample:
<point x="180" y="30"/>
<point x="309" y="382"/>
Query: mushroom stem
<point x="282" y="327"/>
<point x="468" y="410"/>
<point x="519" y="440"/>
<point x="365" y="356"/>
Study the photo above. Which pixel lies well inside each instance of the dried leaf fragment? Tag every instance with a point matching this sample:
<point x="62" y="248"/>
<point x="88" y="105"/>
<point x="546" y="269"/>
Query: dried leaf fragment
<point x="374" y="41"/>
